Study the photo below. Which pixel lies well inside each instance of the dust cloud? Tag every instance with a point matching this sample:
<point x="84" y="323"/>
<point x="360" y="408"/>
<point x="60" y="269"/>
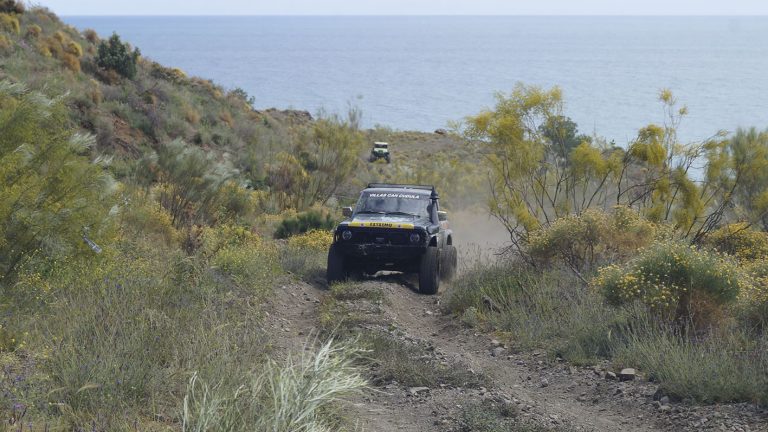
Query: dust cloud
<point x="478" y="236"/>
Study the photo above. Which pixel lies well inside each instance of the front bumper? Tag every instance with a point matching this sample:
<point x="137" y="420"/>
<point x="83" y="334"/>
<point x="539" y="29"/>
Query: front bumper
<point x="381" y="252"/>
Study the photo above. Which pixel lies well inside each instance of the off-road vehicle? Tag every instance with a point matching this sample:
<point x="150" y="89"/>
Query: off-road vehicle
<point x="380" y="150"/>
<point x="394" y="227"/>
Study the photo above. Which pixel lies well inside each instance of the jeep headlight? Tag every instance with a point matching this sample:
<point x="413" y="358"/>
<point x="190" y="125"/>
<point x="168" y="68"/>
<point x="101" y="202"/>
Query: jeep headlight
<point x="415" y="238"/>
<point x="346" y="234"/>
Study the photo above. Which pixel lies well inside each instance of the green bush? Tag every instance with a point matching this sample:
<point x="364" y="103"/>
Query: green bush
<point x="305" y="222"/>
<point x="117" y="56"/>
<point x="674" y="279"/>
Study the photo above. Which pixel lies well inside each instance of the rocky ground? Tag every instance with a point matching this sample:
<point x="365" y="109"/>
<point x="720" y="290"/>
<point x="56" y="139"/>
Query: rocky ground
<point x="476" y="383"/>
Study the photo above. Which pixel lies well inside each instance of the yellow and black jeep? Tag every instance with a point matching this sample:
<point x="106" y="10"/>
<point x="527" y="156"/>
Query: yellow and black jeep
<point x="394" y="227"/>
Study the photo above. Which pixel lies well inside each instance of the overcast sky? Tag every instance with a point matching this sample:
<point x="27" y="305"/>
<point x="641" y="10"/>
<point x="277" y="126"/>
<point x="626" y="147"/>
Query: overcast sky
<point x="407" y="7"/>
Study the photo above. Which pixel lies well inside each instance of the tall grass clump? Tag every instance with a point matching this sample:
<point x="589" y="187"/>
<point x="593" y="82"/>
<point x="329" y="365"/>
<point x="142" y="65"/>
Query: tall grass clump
<point x="305" y="254"/>
<point x="280" y="397"/>
<point x="551" y="310"/>
<point x="729" y="366"/>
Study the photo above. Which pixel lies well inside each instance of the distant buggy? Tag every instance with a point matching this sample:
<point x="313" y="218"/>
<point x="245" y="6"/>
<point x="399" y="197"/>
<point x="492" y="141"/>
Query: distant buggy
<point x="380" y="151"/>
<point x="397" y="228"/>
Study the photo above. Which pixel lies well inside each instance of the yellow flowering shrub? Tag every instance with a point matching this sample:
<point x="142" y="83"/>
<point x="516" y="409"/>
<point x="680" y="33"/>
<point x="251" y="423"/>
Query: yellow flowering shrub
<point x="213" y="239"/>
<point x="317" y="240"/>
<point x="5" y="43"/>
<point x="593" y="237"/>
<point x="252" y="265"/>
<point x="9" y="24"/>
<point x="668" y="276"/>
<point x="739" y="240"/>
<point x="151" y="220"/>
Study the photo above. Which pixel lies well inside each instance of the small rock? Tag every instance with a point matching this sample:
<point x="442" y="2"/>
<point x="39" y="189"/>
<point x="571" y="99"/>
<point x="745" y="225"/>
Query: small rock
<point x="664" y="408"/>
<point x="627" y="374"/>
<point x="497" y="352"/>
<point x="664" y="400"/>
<point x="610" y="376"/>
<point x="495" y="343"/>
<point x="415" y="391"/>
<point x="544" y="382"/>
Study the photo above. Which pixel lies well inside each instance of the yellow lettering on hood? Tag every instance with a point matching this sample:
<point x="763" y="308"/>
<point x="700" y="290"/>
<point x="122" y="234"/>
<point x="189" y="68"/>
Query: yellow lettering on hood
<point x="381" y="225"/>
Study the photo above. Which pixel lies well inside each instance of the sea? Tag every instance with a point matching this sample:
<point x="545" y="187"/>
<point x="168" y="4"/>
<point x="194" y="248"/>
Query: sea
<point x="426" y="72"/>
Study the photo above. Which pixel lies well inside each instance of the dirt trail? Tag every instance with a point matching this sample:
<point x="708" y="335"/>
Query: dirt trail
<point x="546" y="393"/>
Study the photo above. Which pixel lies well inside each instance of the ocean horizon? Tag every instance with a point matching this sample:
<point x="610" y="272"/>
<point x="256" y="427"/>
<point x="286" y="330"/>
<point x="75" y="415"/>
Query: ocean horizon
<point x="420" y="72"/>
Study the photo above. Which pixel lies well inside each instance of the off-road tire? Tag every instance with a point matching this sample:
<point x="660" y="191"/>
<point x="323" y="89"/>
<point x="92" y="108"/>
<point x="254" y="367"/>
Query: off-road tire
<point x="429" y="271"/>
<point x="387" y="158"/>
<point x="449" y="264"/>
<point x="336" y="270"/>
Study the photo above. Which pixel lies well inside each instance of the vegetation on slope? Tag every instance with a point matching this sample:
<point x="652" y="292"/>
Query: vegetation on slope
<point x="136" y="210"/>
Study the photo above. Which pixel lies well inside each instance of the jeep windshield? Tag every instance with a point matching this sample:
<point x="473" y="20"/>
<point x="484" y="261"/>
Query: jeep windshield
<point x="394" y="204"/>
<point x="380" y="146"/>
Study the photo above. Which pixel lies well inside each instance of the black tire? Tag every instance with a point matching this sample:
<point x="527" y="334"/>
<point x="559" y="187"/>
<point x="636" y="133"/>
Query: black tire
<point x="429" y="271"/>
<point x="449" y="264"/>
<point x="387" y="158"/>
<point x="336" y="270"/>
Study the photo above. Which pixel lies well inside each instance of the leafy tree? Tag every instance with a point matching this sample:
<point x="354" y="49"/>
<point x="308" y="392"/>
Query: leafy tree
<point x="51" y="194"/>
<point x="114" y="55"/>
<point x="563" y="134"/>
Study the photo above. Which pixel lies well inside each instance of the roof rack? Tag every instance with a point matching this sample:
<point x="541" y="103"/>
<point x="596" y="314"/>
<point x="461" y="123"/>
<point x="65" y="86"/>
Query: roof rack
<point x="433" y="195"/>
<point x="400" y="186"/>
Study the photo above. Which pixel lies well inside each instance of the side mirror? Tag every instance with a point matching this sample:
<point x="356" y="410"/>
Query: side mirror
<point x="442" y="216"/>
<point x="346" y="211"/>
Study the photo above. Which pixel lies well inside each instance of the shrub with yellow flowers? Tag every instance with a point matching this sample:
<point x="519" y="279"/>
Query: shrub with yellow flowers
<point x="317" y="240"/>
<point x="593" y="237"/>
<point x="739" y="240"/>
<point x="670" y="277"/>
<point x="753" y="300"/>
